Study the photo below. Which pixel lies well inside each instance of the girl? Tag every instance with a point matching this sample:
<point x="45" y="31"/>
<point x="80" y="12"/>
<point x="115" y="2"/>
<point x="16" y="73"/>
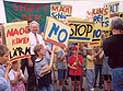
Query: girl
<point x="4" y="80"/>
<point x="90" y="74"/>
<point x="16" y="77"/>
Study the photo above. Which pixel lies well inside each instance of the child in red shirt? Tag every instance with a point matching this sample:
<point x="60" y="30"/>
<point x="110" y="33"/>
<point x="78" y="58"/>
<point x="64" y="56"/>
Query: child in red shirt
<point x="75" y="71"/>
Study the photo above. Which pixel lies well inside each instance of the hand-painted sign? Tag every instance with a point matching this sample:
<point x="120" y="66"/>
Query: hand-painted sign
<point x="81" y="31"/>
<point x="60" y="11"/>
<point x="56" y="32"/>
<point x="113" y="8"/>
<point x="102" y="18"/>
<point x="96" y="38"/>
<point x="17" y="40"/>
<point x="28" y="11"/>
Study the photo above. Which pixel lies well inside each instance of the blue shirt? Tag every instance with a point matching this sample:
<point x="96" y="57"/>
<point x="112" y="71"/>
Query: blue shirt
<point x="4" y="84"/>
<point x="60" y="63"/>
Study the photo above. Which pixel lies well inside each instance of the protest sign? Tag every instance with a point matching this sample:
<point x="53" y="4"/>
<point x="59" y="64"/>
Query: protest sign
<point x="28" y="11"/>
<point x="17" y="40"/>
<point x="60" y="11"/>
<point x="80" y="31"/>
<point x="101" y="16"/>
<point x="113" y="8"/>
<point x="56" y="32"/>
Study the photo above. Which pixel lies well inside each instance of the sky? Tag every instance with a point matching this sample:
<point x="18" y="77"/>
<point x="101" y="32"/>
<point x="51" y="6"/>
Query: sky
<point x="79" y="7"/>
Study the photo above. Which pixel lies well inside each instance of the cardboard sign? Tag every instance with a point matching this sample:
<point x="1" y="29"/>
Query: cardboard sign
<point x="56" y="32"/>
<point x="60" y="11"/>
<point x="101" y="17"/>
<point x="96" y="38"/>
<point x="17" y="40"/>
<point x="113" y="8"/>
<point x="80" y="31"/>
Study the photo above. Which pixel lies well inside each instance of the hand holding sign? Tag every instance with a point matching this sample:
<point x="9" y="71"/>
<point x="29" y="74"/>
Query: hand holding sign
<point x="56" y="33"/>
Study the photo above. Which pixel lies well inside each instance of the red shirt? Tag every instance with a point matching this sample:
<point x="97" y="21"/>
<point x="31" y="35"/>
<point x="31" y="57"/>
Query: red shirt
<point x="71" y="61"/>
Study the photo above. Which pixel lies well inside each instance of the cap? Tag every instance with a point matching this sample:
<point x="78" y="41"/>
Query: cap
<point x="74" y="48"/>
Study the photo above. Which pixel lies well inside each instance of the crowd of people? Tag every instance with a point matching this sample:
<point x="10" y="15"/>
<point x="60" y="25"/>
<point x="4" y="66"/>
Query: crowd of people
<point x="74" y="62"/>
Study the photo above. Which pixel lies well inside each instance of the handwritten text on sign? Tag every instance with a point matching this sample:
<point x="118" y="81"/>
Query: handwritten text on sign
<point x="17" y="40"/>
<point x="101" y="17"/>
<point x="56" y="32"/>
<point x="60" y="11"/>
<point x="96" y="39"/>
<point x="81" y="32"/>
<point x="113" y="8"/>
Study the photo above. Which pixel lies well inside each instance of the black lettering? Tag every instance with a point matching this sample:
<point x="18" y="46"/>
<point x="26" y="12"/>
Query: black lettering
<point x="89" y="30"/>
<point x="27" y="50"/>
<point x="82" y="29"/>
<point x="20" y="50"/>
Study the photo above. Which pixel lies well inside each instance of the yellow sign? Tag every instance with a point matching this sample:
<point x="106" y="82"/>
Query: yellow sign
<point x="101" y="17"/>
<point x="17" y="40"/>
<point x="56" y="32"/>
<point x="80" y="31"/>
<point x="96" y="38"/>
<point x="113" y="8"/>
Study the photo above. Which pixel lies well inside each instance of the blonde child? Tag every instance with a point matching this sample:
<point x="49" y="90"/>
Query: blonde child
<point x="41" y="63"/>
<point x="90" y="74"/>
<point x="16" y="77"/>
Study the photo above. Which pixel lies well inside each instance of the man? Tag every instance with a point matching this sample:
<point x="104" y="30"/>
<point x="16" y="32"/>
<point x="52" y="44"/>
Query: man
<point x="34" y="39"/>
<point x="113" y="48"/>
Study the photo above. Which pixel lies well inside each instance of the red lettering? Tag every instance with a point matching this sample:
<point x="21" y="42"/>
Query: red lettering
<point x="10" y="32"/>
<point x="69" y="10"/>
<point x="15" y="7"/>
<point x="20" y="31"/>
<point x="37" y="9"/>
<point x="55" y="8"/>
<point x="37" y="17"/>
<point x="103" y="11"/>
<point x="23" y="40"/>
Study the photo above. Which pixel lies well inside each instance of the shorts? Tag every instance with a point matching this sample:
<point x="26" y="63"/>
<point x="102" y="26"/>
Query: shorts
<point x="61" y="74"/>
<point x="107" y="77"/>
<point x="75" y="78"/>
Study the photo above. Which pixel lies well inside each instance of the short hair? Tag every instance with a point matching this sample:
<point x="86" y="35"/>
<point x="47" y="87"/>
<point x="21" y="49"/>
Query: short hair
<point x="37" y="48"/>
<point x="117" y="23"/>
<point x="33" y="22"/>
<point x="3" y="50"/>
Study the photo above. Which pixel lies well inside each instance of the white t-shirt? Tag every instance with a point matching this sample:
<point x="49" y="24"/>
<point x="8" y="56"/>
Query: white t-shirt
<point x="12" y="74"/>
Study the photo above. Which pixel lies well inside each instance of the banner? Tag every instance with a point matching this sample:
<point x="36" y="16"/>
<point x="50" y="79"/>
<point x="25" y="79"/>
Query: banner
<point x="60" y="12"/>
<point x="81" y="31"/>
<point x="56" y="32"/>
<point x="28" y="11"/>
<point x="17" y="40"/>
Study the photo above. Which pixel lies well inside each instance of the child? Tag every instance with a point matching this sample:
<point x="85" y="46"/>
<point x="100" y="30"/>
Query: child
<point x="16" y="77"/>
<point x="41" y="62"/>
<point x="60" y="61"/>
<point x="4" y="80"/>
<point x="90" y="74"/>
<point x="74" y="63"/>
